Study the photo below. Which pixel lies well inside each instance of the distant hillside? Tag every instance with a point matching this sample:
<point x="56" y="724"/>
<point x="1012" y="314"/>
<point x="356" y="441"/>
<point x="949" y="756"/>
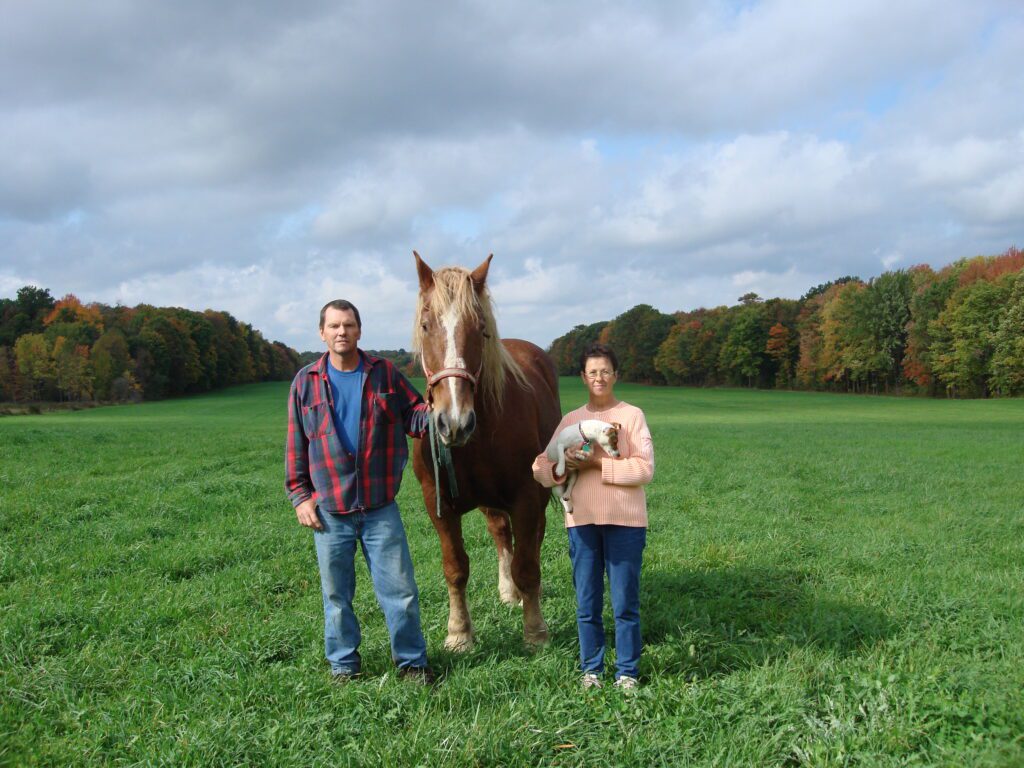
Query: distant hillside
<point x="69" y="351"/>
<point x="405" y="361"/>
<point x="955" y="332"/>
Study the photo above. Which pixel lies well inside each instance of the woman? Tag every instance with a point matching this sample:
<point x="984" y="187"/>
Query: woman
<point x="608" y="525"/>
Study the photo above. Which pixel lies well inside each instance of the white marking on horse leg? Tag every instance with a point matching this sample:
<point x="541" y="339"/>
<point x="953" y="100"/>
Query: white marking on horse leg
<point x="507" y="590"/>
<point x="460" y="626"/>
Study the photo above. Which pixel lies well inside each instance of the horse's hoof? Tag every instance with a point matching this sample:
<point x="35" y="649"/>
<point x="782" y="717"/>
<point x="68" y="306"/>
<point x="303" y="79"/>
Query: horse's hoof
<point x="536" y="639"/>
<point x="459" y="642"/>
<point x="510" y="596"/>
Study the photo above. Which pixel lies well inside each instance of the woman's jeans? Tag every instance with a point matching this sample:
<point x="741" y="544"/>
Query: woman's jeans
<point x="617" y="550"/>
<point x="382" y="537"/>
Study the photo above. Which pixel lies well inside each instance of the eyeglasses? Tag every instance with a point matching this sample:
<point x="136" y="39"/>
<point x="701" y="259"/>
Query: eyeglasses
<point x="603" y="374"/>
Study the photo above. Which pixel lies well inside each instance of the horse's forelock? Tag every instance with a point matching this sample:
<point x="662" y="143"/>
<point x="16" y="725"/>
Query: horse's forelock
<point x="453" y="287"/>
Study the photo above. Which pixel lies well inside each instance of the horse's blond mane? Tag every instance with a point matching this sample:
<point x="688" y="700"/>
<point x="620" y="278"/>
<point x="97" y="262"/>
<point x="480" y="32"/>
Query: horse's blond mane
<point x="453" y="287"/>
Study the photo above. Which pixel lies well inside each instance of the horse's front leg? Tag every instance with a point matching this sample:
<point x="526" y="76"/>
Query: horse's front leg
<point x="456" y="573"/>
<point x="454" y="560"/>
<point x="528" y="528"/>
<point x="500" y="528"/>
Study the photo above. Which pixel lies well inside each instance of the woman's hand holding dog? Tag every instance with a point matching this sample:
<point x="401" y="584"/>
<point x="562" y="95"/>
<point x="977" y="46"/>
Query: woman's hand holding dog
<point x="578" y="459"/>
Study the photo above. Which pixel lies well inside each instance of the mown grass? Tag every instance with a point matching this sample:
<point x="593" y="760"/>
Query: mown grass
<point x="829" y="580"/>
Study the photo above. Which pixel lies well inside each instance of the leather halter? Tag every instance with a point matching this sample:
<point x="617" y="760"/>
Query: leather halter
<point x="448" y="373"/>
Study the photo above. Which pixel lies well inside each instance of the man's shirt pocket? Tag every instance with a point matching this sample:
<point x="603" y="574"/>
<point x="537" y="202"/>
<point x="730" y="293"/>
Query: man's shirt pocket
<point x="316" y="420"/>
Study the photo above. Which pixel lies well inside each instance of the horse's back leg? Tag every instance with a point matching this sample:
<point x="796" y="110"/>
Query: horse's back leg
<point x="528" y="528"/>
<point x="500" y="528"/>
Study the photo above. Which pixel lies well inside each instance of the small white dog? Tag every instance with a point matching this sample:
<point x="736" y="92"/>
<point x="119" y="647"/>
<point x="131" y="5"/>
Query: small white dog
<point x="606" y="435"/>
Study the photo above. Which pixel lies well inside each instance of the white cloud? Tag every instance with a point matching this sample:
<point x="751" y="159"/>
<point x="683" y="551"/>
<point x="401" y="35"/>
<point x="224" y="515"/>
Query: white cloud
<point x="890" y="260"/>
<point x="766" y="185"/>
<point x="266" y="158"/>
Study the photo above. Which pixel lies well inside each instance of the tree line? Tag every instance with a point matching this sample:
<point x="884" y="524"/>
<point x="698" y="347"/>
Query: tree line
<point x="65" y="350"/>
<point x="405" y="361"/>
<point x="958" y="332"/>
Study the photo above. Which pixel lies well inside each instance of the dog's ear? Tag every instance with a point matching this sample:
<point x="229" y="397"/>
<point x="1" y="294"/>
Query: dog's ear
<point x="616" y="426"/>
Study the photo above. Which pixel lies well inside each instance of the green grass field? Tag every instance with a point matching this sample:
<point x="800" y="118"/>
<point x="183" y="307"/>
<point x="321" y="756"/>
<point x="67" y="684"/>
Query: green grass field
<point x="829" y="580"/>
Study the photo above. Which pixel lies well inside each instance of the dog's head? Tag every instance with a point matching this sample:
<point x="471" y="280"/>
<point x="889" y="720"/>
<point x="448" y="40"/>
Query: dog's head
<point x="612" y="436"/>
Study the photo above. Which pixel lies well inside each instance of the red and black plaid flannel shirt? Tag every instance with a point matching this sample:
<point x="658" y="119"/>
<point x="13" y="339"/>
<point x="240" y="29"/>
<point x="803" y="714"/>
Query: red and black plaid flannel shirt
<point x="315" y="460"/>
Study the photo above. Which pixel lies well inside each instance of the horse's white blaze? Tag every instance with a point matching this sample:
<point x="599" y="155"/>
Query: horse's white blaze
<point x="452" y="359"/>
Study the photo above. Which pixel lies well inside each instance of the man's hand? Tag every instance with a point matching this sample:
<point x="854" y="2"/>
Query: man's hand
<point x="306" y="513"/>
<point x="577" y="459"/>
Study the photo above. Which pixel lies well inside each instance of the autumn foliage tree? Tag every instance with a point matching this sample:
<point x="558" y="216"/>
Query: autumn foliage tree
<point x="1007" y="368"/>
<point x="73" y="351"/>
<point x="958" y="331"/>
<point x="635" y="336"/>
<point x="565" y="351"/>
<point x="780" y="349"/>
<point x="32" y="356"/>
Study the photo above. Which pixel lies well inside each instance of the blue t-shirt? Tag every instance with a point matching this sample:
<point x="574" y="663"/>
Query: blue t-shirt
<point x="347" y="393"/>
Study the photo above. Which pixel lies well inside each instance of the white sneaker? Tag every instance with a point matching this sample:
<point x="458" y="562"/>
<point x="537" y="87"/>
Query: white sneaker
<point x="627" y="683"/>
<point x="590" y="680"/>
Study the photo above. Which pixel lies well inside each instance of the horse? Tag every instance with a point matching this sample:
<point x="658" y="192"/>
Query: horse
<point x="494" y="406"/>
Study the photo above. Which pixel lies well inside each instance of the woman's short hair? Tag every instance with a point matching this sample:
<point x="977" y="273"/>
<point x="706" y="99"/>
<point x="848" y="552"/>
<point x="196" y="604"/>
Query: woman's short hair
<point x="599" y="350"/>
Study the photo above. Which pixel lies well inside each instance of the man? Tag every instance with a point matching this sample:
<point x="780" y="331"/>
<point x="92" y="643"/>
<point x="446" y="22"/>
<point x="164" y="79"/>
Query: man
<point x="348" y="414"/>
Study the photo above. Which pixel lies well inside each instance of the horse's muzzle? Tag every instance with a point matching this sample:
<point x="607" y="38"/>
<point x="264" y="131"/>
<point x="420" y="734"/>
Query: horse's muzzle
<point x="455" y="432"/>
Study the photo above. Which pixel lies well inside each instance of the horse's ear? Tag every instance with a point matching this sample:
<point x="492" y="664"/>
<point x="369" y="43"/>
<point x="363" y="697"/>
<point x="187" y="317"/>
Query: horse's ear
<point x="479" y="275"/>
<point x="425" y="272"/>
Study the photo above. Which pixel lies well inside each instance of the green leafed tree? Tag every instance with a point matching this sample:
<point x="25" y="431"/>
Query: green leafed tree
<point x="743" y="355"/>
<point x="24" y="314"/>
<point x="8" y="374"/>
<point x="151" y="369"/>
<point x="1007" y="367"/>
<point x="674" y="360"/>
<point x="32" y="356"/>
<point x="635" y="335"/>
<point x="888" y="312"/>
<point x="180" y="362"/>
<point x="565" y="351"/>
<point x="110" y="361"/>
<point x="72" y="370"/>
<point x="965" y="335"/>
<point x="929" y="294"/>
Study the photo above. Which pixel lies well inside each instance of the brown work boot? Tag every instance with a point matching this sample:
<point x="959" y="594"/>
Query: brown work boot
<point x="418" y="675"/>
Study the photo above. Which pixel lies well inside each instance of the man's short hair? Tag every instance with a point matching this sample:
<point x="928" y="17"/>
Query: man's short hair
<point x="599" y="350"/>
<point x="344" y="306"/>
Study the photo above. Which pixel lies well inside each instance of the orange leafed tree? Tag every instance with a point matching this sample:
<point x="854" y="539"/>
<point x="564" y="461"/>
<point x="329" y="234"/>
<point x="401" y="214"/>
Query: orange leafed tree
<point x="778" y="348"/>
<point x="991" y="268"/>
<point x="71" y="310"/>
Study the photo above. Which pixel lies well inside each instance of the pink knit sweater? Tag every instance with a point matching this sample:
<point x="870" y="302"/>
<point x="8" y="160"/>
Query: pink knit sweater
<point x="615" y="495"/>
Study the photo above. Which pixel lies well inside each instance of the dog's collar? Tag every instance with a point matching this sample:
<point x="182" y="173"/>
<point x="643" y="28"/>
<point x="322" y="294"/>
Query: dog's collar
<point x="586" y="440"/>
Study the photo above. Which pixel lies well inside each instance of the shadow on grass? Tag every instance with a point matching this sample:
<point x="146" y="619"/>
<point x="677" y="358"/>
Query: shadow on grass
<point x="494" y="648"/>
<point x="705" y="623"/>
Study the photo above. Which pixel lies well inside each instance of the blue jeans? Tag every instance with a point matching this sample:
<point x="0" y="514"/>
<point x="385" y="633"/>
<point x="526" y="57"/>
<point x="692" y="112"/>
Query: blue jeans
<point x="617" y="550"/>
<point x="382" y="537"/>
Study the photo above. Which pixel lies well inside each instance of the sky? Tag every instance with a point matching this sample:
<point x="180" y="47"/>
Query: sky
<point x="264" y="158"/>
